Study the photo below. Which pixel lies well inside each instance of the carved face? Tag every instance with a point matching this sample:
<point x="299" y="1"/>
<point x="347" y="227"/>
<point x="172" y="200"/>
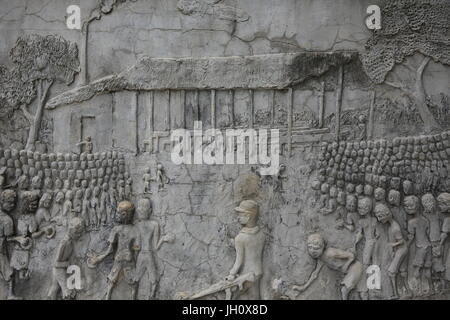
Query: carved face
<point x="351" y="203"/>
<point x="364" y="206"/>
<point x="59" y="197"/>
<point x="394" y="198"/>
<point x="124" y="213"/>
<point x="243" y="218"/>
<point x="8" y="200"/>
<point x="383" y="213"/>
<point x="379" y="194"/>
<point x="316" y="246"/>
<point x="46" y="201"/>
<point x="411" y="205"/>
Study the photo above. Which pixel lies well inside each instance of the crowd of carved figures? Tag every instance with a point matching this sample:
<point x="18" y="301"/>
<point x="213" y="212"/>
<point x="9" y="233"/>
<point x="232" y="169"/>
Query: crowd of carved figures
<point x="393" y="196"/>
<point x="79" y="193"/>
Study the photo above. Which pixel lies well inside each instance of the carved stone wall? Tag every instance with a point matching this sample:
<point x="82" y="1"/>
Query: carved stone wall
<point x="363" y="171"/>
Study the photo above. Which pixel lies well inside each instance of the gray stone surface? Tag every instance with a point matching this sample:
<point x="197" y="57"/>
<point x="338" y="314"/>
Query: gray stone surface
<point x="86" y="118"/>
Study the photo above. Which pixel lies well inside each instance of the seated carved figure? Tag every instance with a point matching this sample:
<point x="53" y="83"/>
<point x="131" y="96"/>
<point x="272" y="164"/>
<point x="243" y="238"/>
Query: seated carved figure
<point x="335" y="259"/>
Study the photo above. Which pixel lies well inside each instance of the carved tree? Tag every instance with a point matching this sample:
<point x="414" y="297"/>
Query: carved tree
<point x="410" y="27"/>
<point x="39" y="62"/>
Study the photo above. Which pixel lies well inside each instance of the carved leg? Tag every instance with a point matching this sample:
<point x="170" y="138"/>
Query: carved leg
<point x="393" y="278"/>
<point x="11" y="295"/>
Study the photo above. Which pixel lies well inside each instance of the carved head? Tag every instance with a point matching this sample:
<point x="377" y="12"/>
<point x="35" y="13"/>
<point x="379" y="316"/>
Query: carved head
<point x="69" y="195"/>
<point x="125" y="212"/>
<point x="59" y="198"/>
<point x="444" y="202"/>
<point x="144" y="209"/>
<point x="36" y="183"/>
<point x="394" y="198"/>
<point x="379" y="194"/>
<point x="30" y="202"/>
<point x="407" y="187"/>
<point x="365" y="206"/>
<point x="428" y="203"/>
<point x="8" y="200"/>
<point x="411" y="205"/>
<point x="316" y="245"/>
<point x="351" y="203"/>
<point x="46" y="201"/>
<point x="382" y="212"/>
<point x="248" y="213"/>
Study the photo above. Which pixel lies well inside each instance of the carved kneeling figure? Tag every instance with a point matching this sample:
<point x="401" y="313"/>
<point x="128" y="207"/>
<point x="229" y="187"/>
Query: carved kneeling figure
<point x="335" y="259"/>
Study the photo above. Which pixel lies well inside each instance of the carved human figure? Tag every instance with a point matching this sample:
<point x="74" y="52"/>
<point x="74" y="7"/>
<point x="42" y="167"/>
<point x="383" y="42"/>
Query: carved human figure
<point x="150" y="242"/>
<point x="7" y="205"/>
<point x="27" y="229"/>
<point x="77" y="206"/>
<point x="396" y="243"/>
<point x="62" y="261"/>
<point x="366" y="228"/>
<point x="105" y="204"/>
<point x="124" y="244"/>
<point x="95" y="204"/>
<point x="87" y="208"/>
<point x="87" y="144"/>
<point x="161" y="177"/>
<point x="57" y="207"/>
<point x="418" y="229"/>
<point x="121" y="190"/>
<point x="335" y="259"/>
<point x="43" y="215"/>
<point x="68" y="205"/>
<point x="444" y="207"/>
<point x="249" y="245"/>
<point x="147" y="181"/>
<point x="434" y="234"/>
<point x="350" y="218"/>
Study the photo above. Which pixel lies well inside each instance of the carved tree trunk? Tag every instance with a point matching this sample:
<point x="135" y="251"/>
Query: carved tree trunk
<point x="83" y="80"/>
<point x="419" y="96"/>
<point x="35" y="124"/>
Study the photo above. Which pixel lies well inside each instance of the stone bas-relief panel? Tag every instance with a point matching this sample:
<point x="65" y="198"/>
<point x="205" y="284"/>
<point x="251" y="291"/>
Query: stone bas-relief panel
<point x="93" y="207"/>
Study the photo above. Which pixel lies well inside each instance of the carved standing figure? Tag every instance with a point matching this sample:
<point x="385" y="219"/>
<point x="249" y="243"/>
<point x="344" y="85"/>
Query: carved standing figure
<point x="444" y="206"/>
<point x="396" y="243"/>
<point x="123" y="243"/>
<point x="434" y="234"/>
<point x="249" y="245"/>
<point x="62" y="260"/>
<point x="150" y="242"/>
<point x="7" y="205"/>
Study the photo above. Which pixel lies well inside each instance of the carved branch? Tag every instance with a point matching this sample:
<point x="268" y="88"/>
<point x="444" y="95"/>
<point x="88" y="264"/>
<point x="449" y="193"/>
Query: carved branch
<point x="398" y="85"/>
<point x="422" y="67"/>
<point x="26" y="113"/>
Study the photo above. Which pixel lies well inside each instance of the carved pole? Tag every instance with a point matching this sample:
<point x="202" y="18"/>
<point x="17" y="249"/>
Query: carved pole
<point x="252" y="109"/>
<point x="290" y="98"/>
<point x="370" y="126"/>
<point x="339" y="100"/>
<point x="321" y="104"/>
<point x="213" y="108"/>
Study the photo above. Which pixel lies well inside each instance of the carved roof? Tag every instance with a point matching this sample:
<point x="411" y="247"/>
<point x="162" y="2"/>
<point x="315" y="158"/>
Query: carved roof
<point x="272" y="71"/>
